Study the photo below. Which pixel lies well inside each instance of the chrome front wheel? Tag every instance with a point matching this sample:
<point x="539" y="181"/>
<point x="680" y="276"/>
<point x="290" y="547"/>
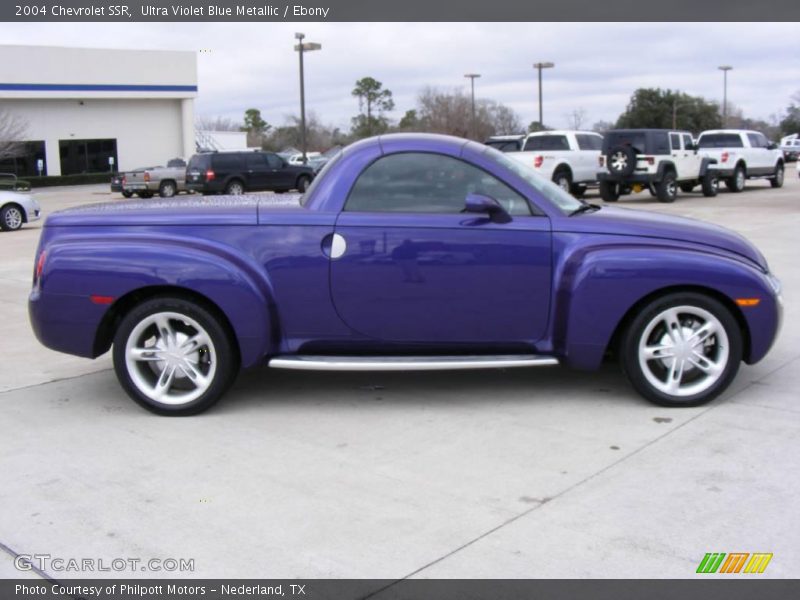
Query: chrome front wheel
<point x="173" y="356"/>
<point x="682" y="350"/>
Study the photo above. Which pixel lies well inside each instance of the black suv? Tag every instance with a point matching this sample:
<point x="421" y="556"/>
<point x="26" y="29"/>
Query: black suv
<point x="236" y="173"/>
<point x="659" y="160"/>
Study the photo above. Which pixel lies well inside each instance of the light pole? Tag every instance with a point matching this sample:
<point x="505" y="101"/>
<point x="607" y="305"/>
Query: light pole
<point x="725" y="69"/>
<point x="300" y="48"/>
<point x="539" y="66"/>
<point x="472" y="77"/>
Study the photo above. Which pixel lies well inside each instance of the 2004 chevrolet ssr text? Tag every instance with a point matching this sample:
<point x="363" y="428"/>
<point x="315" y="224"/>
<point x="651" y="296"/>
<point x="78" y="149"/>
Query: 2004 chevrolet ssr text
<point x="407" y="252"/>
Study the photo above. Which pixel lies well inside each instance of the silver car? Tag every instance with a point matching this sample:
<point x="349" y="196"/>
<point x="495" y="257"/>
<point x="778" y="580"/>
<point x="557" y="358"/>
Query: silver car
<point x="17" y="208"/>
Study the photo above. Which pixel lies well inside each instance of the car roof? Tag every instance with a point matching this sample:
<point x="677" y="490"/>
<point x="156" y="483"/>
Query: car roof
<point x="563" y="132"/>
<point x="729" y="131"/>
<point x="505" y="138"/>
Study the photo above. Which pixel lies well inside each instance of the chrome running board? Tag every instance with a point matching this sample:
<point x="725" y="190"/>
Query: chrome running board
<point x="408" y="363"/>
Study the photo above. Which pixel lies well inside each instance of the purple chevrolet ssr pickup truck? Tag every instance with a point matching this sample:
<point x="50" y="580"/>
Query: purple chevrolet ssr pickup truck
<point x="407" y="252"/>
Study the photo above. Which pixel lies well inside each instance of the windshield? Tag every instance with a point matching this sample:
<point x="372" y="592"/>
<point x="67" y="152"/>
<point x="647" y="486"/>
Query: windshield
<point x="561" y="199"/>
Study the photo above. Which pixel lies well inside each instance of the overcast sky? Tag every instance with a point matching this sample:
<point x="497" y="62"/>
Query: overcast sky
<point x="598" y="65"/>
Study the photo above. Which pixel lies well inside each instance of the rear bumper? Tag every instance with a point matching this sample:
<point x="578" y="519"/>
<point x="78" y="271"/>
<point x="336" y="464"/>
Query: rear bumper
<point x="65" y="323"/>
<point x="632" y="178"/>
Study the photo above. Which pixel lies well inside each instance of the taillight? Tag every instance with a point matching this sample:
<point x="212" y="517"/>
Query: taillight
<point x="537" y="161"/>
<point x="37" y="274"/>
<point x="209" y="175"/>
<point x="124" y="180"/>
<point x="146" y="177"/>
<point x="650" y="160"/>
<point x="725" y="157"/>
<point x="601" y="160"/>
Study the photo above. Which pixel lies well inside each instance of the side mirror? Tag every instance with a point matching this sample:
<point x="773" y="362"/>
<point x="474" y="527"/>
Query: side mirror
<point x="480" y="204"/>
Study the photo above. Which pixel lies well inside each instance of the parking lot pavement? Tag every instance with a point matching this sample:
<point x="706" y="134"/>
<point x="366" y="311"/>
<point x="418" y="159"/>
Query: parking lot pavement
<point x="517" y="473"/>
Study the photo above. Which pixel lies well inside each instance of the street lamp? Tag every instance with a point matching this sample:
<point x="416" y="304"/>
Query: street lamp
<point x="725" y="69"/>
<point x="301" y="48"/>
<point x="539" y="66"/>
<point x="472" y="77"/>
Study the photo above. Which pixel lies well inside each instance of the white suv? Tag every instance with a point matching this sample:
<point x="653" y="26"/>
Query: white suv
<point x="658" y="160"/>
<point x="742" y="155"/>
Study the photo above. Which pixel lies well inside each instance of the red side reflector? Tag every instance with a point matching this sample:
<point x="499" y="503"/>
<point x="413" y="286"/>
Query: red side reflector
<point x="748" y="301"/>
<point x="725" y="157"/>
<point x="40" y="265"/>
<point x="101" y="299"/>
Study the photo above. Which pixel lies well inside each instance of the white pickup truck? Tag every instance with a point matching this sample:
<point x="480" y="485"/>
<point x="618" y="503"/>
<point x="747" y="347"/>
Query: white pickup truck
<point x="568" y="158"/>
<point x="742" y="155"/>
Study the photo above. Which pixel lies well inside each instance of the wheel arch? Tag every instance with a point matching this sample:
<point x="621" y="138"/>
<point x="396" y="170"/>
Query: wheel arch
<point x="613" y="344"/>
<point x="123" y="305"/>
<point x="563" y="167"/>
<point x="16" y="205"/>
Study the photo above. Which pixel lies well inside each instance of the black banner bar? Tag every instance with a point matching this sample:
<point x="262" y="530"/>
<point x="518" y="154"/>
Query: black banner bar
<point x="398" y="11"/>
<point x="743" y="587"/>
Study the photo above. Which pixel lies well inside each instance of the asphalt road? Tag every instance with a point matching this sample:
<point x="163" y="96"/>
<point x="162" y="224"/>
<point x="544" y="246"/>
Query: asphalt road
<point x="500" y="474"/>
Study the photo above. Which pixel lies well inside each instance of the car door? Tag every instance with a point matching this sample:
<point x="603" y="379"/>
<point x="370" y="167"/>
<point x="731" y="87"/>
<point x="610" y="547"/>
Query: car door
<point x="258" y="172"/>
<point x="693" y="158"/>
<point x="589" y="146"/>
<point x="414" y="268"/>
<point x="678" y="155"/>
<point x="281" y="175"/>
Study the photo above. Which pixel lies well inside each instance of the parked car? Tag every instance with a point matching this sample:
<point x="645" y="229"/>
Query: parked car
<point x="116" y="185"/>
<point x="164" y="181"/>
<point x="16" y="209"/>
<point x="236" y="173"/>
<point x="506" y="143"/>
<point x="659" y="160"/>
<point x="790" y="146"/>
<point x="568" y="158"/>
<point x="741" y="154"/>
<point x="407" y="252"/>
<point x="297" y="159"/>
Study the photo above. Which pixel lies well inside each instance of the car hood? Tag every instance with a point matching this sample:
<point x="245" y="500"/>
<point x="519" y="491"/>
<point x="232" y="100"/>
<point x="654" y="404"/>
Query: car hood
<point x="624" y="221"/>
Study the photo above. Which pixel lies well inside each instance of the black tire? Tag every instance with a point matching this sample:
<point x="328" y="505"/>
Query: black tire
<point x="578" y="190"/>
<point x="167" y="189"/>
<point x="667" y="188"/>
<point x="11" y="217"/>
<point x="302" y="183"/>
<point x="145" y="195"/>
<point x="234" y="188"/>
<point x="127" y="194"/>
<point x="777" y="180"/>
<point x="736" y="182"/>
<point x="687" y="186"/>
<point x="621" y="160"/>
<point x="226" y="366"/>
<point x="563" y="179"/>
<point x="609" y="191"/>
<point x="637" y="329"/>
<point x="710" y="184"/>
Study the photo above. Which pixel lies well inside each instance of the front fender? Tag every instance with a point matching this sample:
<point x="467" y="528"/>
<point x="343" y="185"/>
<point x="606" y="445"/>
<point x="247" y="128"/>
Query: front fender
<point x="114" y="266"/>
<point x="600" y="283"/>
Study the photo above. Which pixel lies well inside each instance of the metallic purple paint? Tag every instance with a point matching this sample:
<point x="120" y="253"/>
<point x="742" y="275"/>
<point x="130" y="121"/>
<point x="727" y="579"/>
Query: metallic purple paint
<point x="548" y="283"/>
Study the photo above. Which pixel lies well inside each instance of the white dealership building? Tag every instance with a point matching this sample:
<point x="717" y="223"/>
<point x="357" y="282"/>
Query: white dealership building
<point x="94" y="110"/>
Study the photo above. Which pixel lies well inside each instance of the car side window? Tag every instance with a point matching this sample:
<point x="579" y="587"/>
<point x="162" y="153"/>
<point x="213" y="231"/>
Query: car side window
<point x="675" y="141"/>
<point x="274" y="161"/>
<point x="255" y="161"/>
<point x="687" y="140"/>
<point x="416" y="182"/>
<point x="588" y="141"/>
<point x="230" y="162"/>
<point x="754" y="141"/>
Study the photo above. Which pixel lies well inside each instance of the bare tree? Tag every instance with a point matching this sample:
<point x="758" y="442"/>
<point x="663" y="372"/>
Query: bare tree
<point x="217" y="123"/>
<point x="12" y="132"/>
<point x="576" y="118"/>
<point x="450" y="112"/>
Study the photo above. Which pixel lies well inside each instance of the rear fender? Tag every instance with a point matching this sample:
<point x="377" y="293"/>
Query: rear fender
<point x="118" y="266"/>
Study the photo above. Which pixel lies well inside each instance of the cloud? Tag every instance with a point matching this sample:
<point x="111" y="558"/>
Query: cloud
<point x="598" y="65"/>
